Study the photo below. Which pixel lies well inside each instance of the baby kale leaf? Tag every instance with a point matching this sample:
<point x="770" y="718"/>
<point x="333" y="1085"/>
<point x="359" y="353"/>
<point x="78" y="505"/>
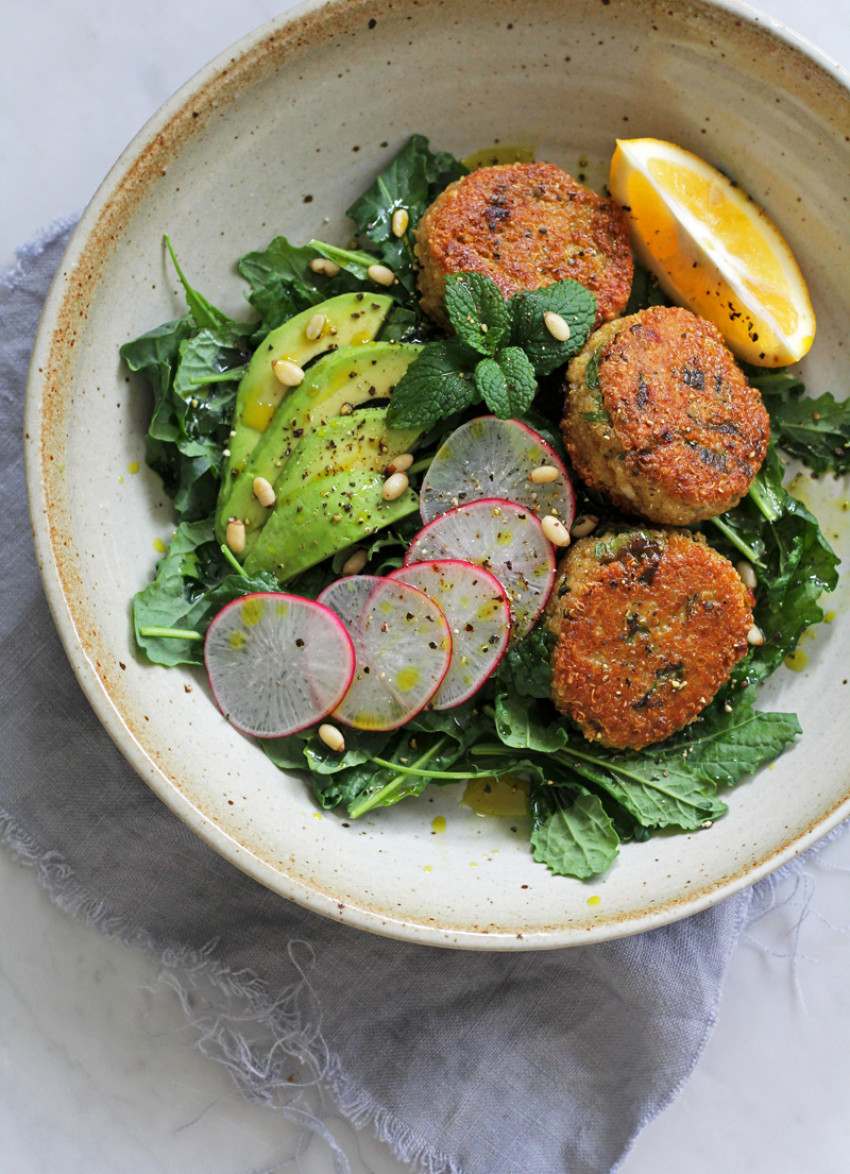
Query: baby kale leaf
<point x="572" y="833"/>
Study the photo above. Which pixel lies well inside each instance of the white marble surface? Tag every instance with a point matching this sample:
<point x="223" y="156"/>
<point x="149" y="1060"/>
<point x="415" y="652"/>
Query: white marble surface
<point x="96" y="1071"/>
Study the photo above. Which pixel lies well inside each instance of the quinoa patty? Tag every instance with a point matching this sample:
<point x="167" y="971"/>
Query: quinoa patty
<point x="649" y="624"/>
<point x="659" y="416"/>
<point x="525" y="225"/>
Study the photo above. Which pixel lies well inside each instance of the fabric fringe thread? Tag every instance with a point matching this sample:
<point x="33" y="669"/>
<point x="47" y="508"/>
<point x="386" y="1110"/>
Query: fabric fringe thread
<point x="258" y="1038"/>
<point x="234" y="1021"/>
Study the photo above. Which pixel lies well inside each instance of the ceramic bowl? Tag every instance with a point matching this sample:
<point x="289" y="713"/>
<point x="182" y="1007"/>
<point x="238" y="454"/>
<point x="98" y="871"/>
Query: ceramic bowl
<point x="277" y="136"/>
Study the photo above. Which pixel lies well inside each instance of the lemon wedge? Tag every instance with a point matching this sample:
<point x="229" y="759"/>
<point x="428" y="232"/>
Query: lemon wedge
<point x="713" y="250"/>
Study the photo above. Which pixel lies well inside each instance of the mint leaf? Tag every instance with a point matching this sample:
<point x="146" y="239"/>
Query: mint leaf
<point x="477" y="311"/>
<point x="506" y="383"/>
<point x="492" y="386"/>
<point x="572" y="833"/>
<point x="436" y="384"/>
<point x="522" y="384"/>
<point x="572" y="302"/>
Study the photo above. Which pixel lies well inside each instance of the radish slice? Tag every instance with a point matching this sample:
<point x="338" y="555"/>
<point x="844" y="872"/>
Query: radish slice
<point x="277" y="663"/>
<point x="403" y="647"/>
<point x="489" y="457"/>
<point x="476" y="605"/>
<point x="504" y="538"/>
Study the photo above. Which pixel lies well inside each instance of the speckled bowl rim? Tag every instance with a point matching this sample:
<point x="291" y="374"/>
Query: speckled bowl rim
<point x="64" y="318"/>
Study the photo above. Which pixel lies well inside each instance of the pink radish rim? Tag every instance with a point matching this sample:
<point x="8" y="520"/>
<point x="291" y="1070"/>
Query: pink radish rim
<point x="500" y="590"/>
<point x="494" y="502"/>
<point x="380" y="580"/>
<point x="551" y="455"/>
<point x="310" y="603"/>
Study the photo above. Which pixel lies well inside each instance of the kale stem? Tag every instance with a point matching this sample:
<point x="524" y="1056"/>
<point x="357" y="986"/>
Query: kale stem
<point x="383" y="797"/>
<point x="170" y="633"/>
<point x="421" y="465"/>
<point x="737" y="542"/>
<point x="234" y="562"/>
<point x="454" y="775"/>
<point x="761" y="501"/>
<point x="219" y="376"/>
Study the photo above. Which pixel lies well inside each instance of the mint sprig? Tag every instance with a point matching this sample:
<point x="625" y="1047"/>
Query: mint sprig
<point x="477" y="311"/>
<point x="501" y="347"/>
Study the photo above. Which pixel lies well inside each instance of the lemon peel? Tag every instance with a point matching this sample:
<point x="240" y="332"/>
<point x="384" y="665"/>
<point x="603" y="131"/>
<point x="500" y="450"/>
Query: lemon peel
<point x="713" y="250"/>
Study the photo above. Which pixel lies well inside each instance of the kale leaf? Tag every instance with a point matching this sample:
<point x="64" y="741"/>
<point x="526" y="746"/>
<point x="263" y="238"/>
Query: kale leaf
<point x="409" y="183"/>
<point x="794" y="563"/>
<point x="815" y="431"/>
<point x="572" y="833"/>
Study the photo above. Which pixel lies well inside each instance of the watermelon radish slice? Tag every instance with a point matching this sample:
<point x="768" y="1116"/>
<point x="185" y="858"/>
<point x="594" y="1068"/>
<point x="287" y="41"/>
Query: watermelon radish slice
<point x="403" y="647"/>
<point x="277" y="663"/>
<point x="503" y="538"/>
<point x="489" y="457"/>
<point x="476" y="606"/>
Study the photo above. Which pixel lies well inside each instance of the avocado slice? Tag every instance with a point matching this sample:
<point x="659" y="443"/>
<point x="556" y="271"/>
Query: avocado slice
<point x="331" y="496"/>
<point x="349" y="318"/>
<point x="336" y="383"/>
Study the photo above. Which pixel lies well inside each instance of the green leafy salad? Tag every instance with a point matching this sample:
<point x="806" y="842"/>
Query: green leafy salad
<point x="222" y="424"/>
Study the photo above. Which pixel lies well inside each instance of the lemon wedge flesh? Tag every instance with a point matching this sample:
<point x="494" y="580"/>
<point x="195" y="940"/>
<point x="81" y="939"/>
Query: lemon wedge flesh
<point x="713" y="250"/>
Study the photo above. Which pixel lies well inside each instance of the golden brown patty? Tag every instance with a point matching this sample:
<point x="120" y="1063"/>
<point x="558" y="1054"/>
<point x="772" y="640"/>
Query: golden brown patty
<point x="649" y="625"/>
<point x="659" y="416"/>
<point x="525" y="225"/>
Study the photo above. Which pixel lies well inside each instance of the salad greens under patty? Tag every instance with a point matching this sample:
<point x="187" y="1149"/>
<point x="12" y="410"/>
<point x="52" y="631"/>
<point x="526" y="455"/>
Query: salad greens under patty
<point x="583" y="800"/>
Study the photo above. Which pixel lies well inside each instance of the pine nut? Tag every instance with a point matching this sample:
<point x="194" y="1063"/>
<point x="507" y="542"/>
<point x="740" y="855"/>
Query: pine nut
<point x="314" y="328"/>
<point x="755" y="636"/>
<point x="264" y="492"/>
<point x="380" y="274"/>
<point x="747" y="573"/>
<point x="583" y="525"/>
<point x="401" y="220"/>
<point x="355" y="563"/>
<point x="323" y="265"/>
<point x="394" y="486"/>
<point x="400" y="464"/>
<point x="287" y="372"/>
<point x="555" y="531"/>
<point x="557" y="326"/>
<point x="234" y="535"/>
<point x="331" y="737"/>
<point x="542" y="474"/>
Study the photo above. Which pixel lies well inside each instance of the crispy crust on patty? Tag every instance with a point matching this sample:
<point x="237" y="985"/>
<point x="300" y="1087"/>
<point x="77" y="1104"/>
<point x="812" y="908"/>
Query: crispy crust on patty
<point x="649" y="625"/>
<point x="659" y="416"/>
<point x="525" y="225"/>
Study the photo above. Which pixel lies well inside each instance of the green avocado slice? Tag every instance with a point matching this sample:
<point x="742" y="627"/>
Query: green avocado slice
<point x="332" y="495"/>
<point x="349" y="318"/>
<point x="337" y="383"/>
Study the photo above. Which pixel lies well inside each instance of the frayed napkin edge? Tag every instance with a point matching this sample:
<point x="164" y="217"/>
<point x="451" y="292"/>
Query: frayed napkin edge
<point x="263" y="1076"/>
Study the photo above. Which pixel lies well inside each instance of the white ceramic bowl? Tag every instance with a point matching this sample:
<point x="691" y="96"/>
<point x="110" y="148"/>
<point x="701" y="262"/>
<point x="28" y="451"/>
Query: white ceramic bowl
<point x="279" y="135"/>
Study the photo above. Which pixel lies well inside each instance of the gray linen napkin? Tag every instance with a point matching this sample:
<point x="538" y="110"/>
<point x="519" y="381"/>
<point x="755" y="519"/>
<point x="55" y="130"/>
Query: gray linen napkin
<point x="465" y="1063"/>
